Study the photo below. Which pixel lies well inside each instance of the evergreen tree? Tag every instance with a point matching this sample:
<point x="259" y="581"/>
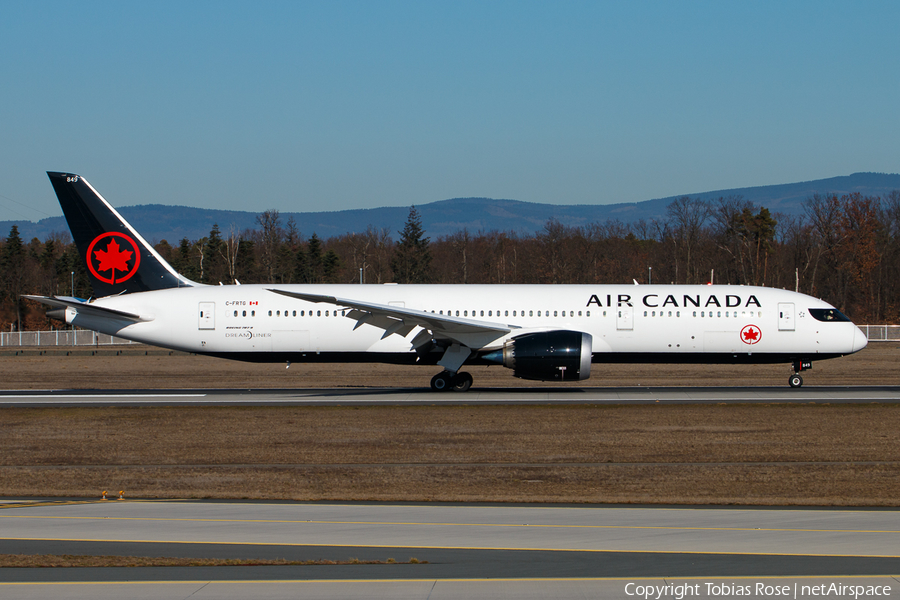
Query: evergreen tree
<point x="215" y="268"/>
<point x="245" y="267"/>
<point x="314" y="260"/>
<point x="412" y="256"/>
<point x="13" y="271"/>
<point x="331" y="263"/>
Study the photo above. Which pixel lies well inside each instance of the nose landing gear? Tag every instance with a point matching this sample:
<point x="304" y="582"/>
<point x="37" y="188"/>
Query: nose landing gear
<point x="795" y="380"/>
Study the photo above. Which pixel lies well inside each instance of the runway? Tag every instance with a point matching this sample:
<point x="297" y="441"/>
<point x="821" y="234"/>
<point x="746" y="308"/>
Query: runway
<point x="471" y="550"/>
<point x="399" y="397"/>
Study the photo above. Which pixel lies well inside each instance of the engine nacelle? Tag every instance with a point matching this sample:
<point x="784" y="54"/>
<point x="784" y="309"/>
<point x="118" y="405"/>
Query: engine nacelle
<point x="548" y="355"/>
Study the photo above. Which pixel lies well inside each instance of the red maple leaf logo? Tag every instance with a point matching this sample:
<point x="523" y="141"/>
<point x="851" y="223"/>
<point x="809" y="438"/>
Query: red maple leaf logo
<point x="114" y="259"/>
<point x="750" y="334"/>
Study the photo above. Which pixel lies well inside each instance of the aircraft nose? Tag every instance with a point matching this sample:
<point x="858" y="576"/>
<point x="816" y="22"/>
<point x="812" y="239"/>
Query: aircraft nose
<point x="859" y="339"/>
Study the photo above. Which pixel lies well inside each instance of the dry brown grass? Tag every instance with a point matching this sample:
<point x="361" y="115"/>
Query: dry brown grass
<point x="722" y="454"/>
<point x="875" y="365"/>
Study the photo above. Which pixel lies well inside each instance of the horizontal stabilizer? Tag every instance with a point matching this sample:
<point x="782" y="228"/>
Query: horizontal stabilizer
<point x="88" y="309"/>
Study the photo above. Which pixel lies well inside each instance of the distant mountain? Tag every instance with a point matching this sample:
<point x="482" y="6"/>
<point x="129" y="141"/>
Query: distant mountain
<point x="172" y="223"/>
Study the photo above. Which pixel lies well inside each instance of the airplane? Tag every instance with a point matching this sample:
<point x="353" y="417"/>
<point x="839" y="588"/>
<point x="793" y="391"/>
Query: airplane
<point x="540" y="332"/>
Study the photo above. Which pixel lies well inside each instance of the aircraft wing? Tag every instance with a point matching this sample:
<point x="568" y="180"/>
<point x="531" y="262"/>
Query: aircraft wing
<point x="86" y="308"/>
<point x="400" y="320"/>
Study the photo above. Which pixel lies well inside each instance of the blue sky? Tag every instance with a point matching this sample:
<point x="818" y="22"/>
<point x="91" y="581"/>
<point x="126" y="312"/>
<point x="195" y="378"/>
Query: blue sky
<point x="333" y="105"/>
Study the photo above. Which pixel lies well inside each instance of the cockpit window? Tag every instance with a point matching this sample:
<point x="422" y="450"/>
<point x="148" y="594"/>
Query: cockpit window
<point x="827" y="314"/>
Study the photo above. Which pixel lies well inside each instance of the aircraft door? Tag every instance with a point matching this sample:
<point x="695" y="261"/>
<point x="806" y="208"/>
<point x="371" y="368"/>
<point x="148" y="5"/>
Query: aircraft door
<point x="785" y="316"/>
<point x="625" y="317"/>
<point x="207" y="315"/>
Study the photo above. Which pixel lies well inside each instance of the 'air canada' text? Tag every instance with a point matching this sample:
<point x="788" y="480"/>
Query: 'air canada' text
<point x="679" y="301"/>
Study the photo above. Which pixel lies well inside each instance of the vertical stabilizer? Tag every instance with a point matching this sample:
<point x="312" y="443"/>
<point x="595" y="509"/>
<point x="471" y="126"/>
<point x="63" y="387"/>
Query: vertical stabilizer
<point x="118" y="259"/>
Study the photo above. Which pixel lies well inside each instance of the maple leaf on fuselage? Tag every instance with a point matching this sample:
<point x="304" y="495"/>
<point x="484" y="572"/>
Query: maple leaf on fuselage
<point x="113" y="258"/>
<point x="751" y="334"/>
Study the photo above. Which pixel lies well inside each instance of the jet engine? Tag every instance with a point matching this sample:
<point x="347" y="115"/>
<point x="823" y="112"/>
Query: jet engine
<point x="547" y="355"/>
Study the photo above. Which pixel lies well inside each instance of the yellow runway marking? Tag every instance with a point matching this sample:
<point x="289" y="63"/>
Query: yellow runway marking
<point x="45" y="503"/>
<point x="450" y="524"/>
<point x="448" y="580"/>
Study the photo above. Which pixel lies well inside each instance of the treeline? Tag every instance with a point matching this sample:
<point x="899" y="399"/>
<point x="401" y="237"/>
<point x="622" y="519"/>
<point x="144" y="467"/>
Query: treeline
<point x="844" y="249"/>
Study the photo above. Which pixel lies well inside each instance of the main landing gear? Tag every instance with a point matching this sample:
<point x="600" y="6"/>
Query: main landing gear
<point x="446" y="381"/>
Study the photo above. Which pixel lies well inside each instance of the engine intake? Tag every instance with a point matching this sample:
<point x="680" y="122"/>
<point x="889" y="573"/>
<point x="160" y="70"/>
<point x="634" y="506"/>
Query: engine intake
<point x="547" y="355"/>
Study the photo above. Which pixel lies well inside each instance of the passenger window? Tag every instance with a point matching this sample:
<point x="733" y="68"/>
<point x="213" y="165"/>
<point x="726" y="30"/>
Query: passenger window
<point x="244" y="314"/>
<point x="579" y="313"/>
<point x="531" y="313"/>
<point x="302" y="313"/>
<point x="620" y="313"/>
<point x="554" y="313"/>
<point x="719" y="314"/>
<point x="482" y="313"/>
<point x="235" y="313"/>
<point x="252" y="313"/>
<point x="318" y="313"/>
<point x="702" y="313"/>
<point x="270" y="313"/>
<point x="326" y="313"/>
<point x="294" y="314"/>
<point x="670" y="313"/>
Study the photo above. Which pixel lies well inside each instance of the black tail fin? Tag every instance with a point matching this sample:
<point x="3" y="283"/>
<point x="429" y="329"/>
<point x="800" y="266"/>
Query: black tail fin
<point x="118" y="259"/>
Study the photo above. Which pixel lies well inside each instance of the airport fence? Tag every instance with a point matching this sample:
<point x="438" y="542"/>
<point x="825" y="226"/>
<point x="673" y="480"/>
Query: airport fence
<point x="65" y="337"/>
<point x="59" y="337"/>
<point x="882" y="333"/>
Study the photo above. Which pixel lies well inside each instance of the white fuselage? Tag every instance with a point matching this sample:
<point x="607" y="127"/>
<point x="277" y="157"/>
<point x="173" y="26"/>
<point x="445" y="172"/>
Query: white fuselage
<point x="670" y="323"/>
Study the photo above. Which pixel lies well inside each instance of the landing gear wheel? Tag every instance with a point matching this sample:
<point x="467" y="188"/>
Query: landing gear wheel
<point x="441" y="382"/>
<point x="462" y="382"/>
<point x="795" y="381"/>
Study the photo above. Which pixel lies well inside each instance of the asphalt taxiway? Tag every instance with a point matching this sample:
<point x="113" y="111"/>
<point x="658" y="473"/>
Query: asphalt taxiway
<point x="398" y="396"/>
<point x="471" y="550"/>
